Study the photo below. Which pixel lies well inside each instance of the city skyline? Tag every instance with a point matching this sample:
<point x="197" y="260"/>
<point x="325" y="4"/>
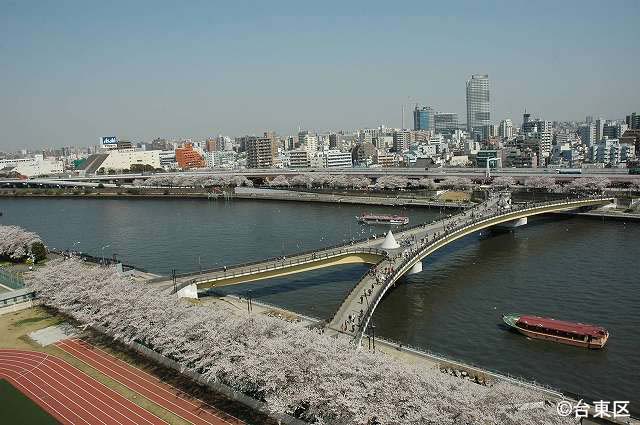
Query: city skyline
<point x="74" y="72"/>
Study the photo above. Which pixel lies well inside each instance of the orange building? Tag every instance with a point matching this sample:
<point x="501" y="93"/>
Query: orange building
<point x="186" y="157"/>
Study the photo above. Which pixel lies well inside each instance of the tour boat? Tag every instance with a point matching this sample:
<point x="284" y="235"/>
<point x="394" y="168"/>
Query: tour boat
<point x="382" y="219"/>
<point x="571" y="333"/>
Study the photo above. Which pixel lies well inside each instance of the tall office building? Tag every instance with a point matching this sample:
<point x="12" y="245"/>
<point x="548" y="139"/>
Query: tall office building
<point x="423" y="118"/>
<point x="478" y="106"/>
<point x="587" y="133"/>
<point x="633" y="121"/>
<point x="445" y="122"/>
<point x="506" y="129"/>
<point x="599" y="129"/>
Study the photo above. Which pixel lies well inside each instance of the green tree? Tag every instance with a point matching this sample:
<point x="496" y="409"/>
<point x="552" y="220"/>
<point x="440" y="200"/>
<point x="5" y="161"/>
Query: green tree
<point x="39" y="251"/>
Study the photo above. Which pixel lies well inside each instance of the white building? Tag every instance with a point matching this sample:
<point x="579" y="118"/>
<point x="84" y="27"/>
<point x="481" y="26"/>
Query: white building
<point x="612" y="152"/>
<point x="505" y="130"/>
<point x="334" y="159"/>
<point x="124" y="159"/>
<point x="31" y="167"/>
<point x="309" y="141"/>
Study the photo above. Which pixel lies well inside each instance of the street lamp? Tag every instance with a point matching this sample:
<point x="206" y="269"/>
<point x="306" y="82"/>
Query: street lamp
<point x="102" y="249"/>
<point x="373" y="336"/>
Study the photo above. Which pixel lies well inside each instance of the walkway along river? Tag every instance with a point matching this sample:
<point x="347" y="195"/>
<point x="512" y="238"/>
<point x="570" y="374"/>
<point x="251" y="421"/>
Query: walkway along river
<point x="578" y="269"/>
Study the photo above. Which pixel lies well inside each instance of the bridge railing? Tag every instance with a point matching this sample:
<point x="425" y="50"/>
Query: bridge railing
<point x="279" y="263"/>
<point x="447" y="233"/>
<point x="278" y="258"/>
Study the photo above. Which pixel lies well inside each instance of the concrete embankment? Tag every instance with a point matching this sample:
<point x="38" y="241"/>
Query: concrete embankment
<point x="297" y="196"/>
<point x="390" y="199"/>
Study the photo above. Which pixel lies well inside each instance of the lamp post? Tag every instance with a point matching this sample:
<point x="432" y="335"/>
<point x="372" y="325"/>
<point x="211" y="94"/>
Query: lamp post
<point x="102" y="249"/>
<point x="373" y="336"/>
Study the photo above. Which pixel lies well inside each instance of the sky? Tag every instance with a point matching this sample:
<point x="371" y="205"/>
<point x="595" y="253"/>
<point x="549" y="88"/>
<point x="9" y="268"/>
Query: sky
<point x="72" y="71"/>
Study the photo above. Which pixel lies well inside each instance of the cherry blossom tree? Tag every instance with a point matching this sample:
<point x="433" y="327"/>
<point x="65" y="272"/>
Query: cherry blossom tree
<point x="279" y="181"/>
<point x="457" y="183"/>
<point x="392" y="182"/>
<point x="587" y="184"/>
<point x="294" y="369"/>
<point x="503" y="182"/>
<point x="547" y="184"/>
<point x="302" y="180"/>
<point x="17" y="243"/>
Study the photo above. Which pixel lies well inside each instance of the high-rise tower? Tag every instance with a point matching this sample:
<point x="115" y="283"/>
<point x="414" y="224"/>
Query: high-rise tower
<point x="478" y="106"/>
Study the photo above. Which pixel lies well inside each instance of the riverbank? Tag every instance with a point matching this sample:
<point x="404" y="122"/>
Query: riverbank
<point x="391" y="199"/>
<point x="604" y="214"/>
<point x="423" y="359"/>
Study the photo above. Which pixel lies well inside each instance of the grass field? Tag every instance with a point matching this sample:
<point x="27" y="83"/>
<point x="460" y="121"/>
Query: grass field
<point x="453" y="196"/>
<point x="23" y="410"/>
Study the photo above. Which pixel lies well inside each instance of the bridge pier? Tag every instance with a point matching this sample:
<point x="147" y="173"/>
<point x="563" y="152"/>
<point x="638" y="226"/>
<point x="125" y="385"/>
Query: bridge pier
<point x="190" y="291"/>
<point x="417" y="268"/>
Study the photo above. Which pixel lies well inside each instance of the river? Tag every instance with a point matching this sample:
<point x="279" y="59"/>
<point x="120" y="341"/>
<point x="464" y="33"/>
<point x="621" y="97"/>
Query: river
<point x="577" y="269"/>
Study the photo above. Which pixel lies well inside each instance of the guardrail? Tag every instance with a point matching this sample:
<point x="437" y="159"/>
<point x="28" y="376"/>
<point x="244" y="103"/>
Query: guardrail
<point x="93" y="259"/>
<point x="10" y="279"/>
<point x="277" y="263"/>
<point x="272" y="259"/>
<point x="449" y="233"/>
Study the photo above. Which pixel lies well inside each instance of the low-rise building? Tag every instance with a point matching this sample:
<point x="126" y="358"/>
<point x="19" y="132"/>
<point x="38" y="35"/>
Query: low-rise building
<point x="299" y="159"/>
<point x="32" y="167"/>
<point x="336" y="159"/>
<point x="612" y="152"/>
<point x="118" y="160"/>
<point x="187" y="157"/>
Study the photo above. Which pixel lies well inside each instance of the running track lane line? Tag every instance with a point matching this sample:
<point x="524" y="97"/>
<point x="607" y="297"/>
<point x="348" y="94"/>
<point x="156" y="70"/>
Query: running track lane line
<point x="38" y="388"/>
<point x="79" y="375"/>
<point x="92" y="414"/>
<point x="146" y="376"/>
<point x="86" y="385"/>
<point x="92" y="409"/>
<point x="174" y="403"/>
<point x="153" y="389"/>
<point x="28" y="390"/>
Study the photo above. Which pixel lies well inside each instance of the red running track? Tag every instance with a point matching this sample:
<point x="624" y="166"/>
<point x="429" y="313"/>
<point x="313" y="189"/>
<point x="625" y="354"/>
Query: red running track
<point x="192" y="410"/>
<point x="68" y="394"/>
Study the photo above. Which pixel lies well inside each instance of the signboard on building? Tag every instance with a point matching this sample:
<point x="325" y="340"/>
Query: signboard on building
<point x="108" y="142"/>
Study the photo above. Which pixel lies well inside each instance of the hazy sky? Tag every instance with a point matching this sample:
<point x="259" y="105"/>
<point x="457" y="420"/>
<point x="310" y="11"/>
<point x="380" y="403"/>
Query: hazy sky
<point x="71" y="72"/>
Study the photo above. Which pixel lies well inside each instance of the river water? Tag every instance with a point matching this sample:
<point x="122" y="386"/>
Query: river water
<point x="577" y="269"/>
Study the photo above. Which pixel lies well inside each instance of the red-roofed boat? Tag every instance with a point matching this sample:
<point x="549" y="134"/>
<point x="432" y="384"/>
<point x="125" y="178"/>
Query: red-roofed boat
<point x="578" y="334"/>
<point x="383" y="219"/>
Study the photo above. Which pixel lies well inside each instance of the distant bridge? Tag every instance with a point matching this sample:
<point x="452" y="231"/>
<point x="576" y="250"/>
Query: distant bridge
<point x="391" y="259"/>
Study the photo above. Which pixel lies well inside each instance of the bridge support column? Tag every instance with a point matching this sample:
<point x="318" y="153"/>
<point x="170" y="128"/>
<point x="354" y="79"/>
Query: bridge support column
<point x="190" y="291"/>
<point x="417" y="268"/>
<point x="510" y="225"/>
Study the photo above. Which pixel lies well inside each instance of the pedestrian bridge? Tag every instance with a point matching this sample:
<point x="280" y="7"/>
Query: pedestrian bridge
<point x="391" y="260"/>
<point x="354" y="314"/>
